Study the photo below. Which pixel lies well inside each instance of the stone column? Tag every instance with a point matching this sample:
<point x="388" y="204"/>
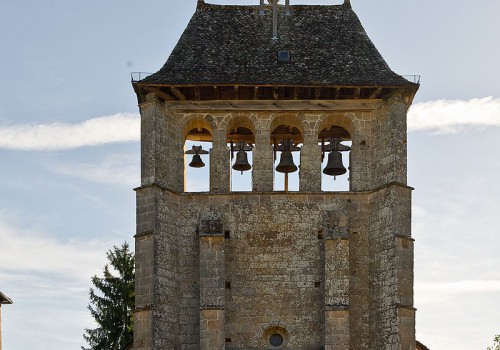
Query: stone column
<point x="337" y="332"/>
<point x="146" y="228"/>
<point x="263" y="162"/>
<point x="212" y="284"/>
<point x="310" y="164"/>
<point x="404" y="268"/>
<point x="219" y="163"/>
<point x="151" y="157"/>
<point x="161" y="147"/>
<point x="390" y="158"/>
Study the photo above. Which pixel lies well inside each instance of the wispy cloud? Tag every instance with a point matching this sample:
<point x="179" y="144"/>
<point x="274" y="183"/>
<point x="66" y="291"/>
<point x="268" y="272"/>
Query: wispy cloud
<point x="453" y="116"/>
<point x="121" y="127"/>
<point x="48" y="279"/>
<point x="116" y="169"/>
<point x="459" y="287"/>
<point x="28" y="251"/>
<point x="442" y="116"/>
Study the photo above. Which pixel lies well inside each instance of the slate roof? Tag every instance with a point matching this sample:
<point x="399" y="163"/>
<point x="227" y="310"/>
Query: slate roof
<point x="421" y="346"/>
<point x="225" y="44"/>
<point x="4" y="299"/>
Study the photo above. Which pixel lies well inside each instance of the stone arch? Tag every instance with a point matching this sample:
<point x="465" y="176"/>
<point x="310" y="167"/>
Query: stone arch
<point x="243" y="120"/>
<point x="235" y="121"/>
<point x="193" y="121"/>
<point x="345" y="121"/>
<point x="264" y="334"/>
<point x="295" y="120"/>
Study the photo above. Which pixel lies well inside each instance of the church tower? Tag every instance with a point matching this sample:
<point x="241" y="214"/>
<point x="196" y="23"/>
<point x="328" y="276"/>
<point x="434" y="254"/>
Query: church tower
<point x="298" y="98"/>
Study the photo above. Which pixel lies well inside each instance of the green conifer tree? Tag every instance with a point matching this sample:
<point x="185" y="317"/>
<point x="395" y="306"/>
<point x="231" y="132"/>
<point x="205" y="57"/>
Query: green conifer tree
<point x="112" y="302"/>
<point x="496" y="345"/>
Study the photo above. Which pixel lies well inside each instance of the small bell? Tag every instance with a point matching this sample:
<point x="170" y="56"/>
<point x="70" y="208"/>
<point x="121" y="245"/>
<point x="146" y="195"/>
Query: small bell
<point x="334" y="167"/>
<point x="241" y="163"/>
<point x="196" y="162"/>
<point x="286" y="164"/>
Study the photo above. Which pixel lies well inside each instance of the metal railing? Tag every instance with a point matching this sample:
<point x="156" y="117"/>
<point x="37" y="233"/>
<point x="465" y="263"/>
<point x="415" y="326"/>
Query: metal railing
<point x="413" y="78"/>
<point x="138" y="76"/>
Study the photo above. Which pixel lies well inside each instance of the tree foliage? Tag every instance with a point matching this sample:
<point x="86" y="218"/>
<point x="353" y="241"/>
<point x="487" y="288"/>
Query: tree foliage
<point x="112" y="302"/>
<point x="496" y="345"/>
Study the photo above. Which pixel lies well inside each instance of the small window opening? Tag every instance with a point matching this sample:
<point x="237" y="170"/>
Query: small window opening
<point x="320" y="234"/>
<point x="284" y="57"/>
<point x="276" y="340"/>
<point x="228" y="285"/>
<point x="317" y="284"/>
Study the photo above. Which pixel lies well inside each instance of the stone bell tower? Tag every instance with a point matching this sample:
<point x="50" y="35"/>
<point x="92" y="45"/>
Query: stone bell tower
<point x="302" y="90"/>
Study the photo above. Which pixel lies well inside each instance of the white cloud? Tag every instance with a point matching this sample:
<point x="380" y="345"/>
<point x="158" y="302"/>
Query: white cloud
<point x="458" y="287"/>
<point x="116" y="169"/>
<point x="27" y="251"/>
<point x="442" y="116"/>
<point x="121" y="127"/>
<point x="453" y="116"/>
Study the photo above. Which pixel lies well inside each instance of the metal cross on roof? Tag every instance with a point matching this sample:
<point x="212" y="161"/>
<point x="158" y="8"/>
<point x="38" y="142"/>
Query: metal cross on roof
<point x="274" y="4"/>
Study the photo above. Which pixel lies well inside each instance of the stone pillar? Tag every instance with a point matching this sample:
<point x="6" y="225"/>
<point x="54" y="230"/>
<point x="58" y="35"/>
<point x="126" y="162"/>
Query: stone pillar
<point x="146" y="203"/>
<point x="263" y="162"/>
<point x="337" y="331"/>
<point x="161" y="147"/>
<point x="310" y="164"/>
<point x="212" y="283"/>
<point x="219" y="163"/>
<point x="397" y="124"/>
<point x="390" y="158"/>
<point x="406" y="323"/>
<point x="404" y="269"/>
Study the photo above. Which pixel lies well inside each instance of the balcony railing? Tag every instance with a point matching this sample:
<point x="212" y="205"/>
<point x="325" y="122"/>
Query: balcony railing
<point x="413" y="78"/>
<point x="138" y="76"/>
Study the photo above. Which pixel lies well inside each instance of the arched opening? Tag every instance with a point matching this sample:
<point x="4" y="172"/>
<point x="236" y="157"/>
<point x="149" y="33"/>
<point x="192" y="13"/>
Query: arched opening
<point x="241" y="141"/>
<point x="336" y="145"/>
<point x="286" y="138"/>
<point x="197" y="145"/>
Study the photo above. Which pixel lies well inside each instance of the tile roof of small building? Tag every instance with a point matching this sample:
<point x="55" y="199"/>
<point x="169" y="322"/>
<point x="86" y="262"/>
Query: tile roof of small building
<point x="226" y="44"/>
<point x="4" y="299"/>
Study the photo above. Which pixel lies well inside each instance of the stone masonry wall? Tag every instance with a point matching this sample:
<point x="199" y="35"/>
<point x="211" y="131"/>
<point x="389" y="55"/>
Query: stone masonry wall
<point x="274" y="249"/>
<point x="225" y="270"/>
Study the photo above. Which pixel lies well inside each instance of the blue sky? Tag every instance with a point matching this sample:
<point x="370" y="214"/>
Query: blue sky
<point x="70" y="154"/>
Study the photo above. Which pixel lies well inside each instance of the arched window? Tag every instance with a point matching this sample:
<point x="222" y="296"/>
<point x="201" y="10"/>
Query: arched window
<point x="241" y="142"/>
<point x="286" y="140"/>
<point x="198" y="142"/>
<point x="335" y="144"/>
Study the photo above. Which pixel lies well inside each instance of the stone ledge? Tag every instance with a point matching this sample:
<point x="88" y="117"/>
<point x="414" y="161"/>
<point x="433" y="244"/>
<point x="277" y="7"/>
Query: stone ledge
<point x="145" y="234"/>
<point x="212" y="307"/>
<point x="336" y="307"/>
<point x="143" y="308"/>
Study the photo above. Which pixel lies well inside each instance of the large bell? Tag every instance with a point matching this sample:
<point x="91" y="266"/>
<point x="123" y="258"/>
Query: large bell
<point x="334" y="167"/>
<point x="196" y="162"/>
<point x="286" y="164"/>
<point x="241" y="163"/>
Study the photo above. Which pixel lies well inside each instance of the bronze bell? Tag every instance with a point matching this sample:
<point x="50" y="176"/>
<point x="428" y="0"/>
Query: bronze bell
<point x="196" y="162"/>
<point x="286" y="164"/>
<point x="241" y="163"/>
<point x="334" y="167"/>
